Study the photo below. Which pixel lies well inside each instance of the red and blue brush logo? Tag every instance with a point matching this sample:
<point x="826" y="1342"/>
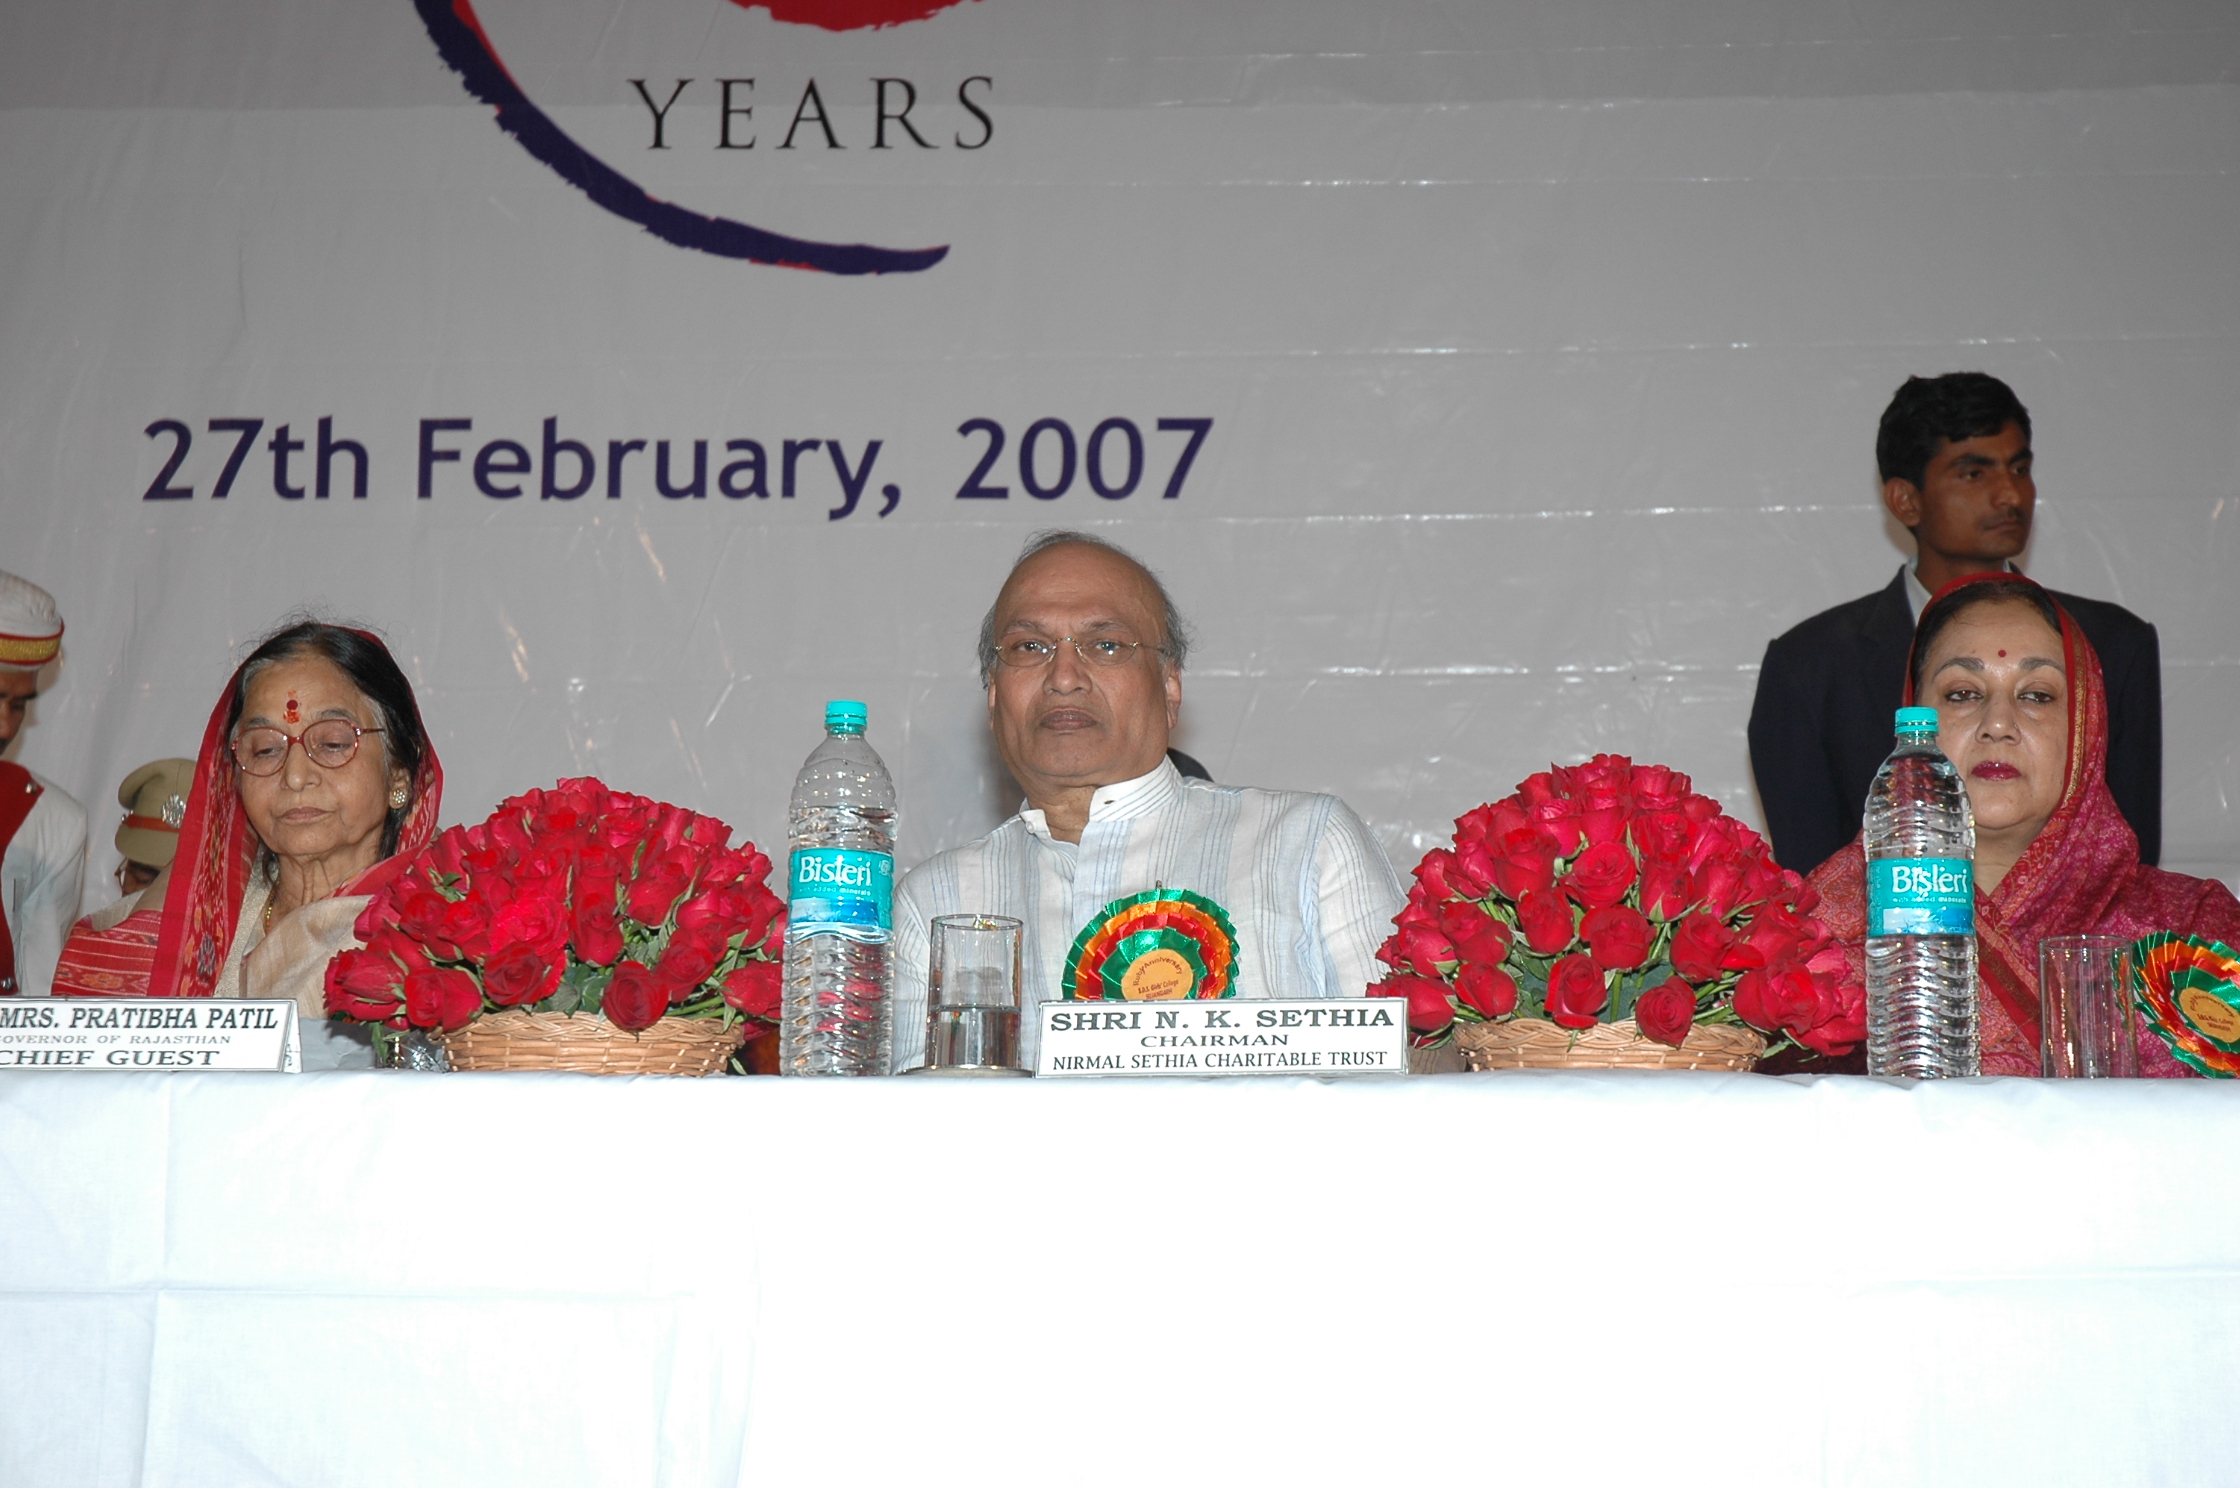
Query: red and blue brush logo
<point x="463" y="44"/>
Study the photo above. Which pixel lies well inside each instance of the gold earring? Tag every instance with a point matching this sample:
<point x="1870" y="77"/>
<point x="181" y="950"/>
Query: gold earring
<point x="398" y="796"/>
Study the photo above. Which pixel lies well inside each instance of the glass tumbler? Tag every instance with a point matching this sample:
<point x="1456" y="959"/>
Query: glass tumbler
<point x="972" y="996"/>
<point x="2084" y="987"/>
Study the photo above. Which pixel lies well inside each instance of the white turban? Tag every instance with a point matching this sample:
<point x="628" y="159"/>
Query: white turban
<point x="30" y="625"/>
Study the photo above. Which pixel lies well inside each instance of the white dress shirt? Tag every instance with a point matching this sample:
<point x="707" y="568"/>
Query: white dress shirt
<point x="1918" y="595"/>
<point x="40" y="877"/>
<point x="1309" y="891"/>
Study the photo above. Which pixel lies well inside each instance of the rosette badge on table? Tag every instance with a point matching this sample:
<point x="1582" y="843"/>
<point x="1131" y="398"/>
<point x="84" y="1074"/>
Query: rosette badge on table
<point x="1608" y="914"/>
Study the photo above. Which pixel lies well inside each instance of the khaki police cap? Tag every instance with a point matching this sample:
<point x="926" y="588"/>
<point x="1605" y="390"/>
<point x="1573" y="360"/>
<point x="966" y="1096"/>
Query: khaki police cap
<point x="154" y="798"/>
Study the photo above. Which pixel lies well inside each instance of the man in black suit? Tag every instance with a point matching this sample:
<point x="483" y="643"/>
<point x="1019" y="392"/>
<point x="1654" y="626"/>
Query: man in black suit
<point x="1954" y="455"/>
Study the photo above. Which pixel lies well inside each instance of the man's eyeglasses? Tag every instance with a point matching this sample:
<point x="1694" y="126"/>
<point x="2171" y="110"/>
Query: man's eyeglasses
<point x="330" y="744"/>
<point x="1026" y="652"/>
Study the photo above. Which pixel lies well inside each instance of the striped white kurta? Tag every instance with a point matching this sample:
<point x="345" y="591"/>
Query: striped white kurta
<point x="1310" y="892"/>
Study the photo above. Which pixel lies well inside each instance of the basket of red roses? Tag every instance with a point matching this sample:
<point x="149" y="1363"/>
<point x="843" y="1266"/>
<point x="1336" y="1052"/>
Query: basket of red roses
<point x="1608" y="915"/>
<point x="578" y="928"/>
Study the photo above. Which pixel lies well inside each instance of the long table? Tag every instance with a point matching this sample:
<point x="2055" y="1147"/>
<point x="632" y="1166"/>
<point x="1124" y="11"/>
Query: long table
<point x="1523" y="1278"/>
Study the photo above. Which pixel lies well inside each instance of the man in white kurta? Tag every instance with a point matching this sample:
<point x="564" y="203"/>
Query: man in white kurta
<point x="42" y="867"/>
<point x="1082" y="655"/>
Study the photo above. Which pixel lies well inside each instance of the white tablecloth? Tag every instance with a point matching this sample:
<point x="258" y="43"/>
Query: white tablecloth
<point x="1528" y="1278"/>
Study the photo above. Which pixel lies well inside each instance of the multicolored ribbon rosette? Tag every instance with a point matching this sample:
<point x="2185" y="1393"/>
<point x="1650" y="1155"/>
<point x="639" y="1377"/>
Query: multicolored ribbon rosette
<point x="1157" y="946"/>
<point x="2190" y="989"/>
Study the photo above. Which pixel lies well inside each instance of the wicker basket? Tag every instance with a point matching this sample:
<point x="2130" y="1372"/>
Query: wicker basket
<point x="588" y="1044"/>
<point x="1535" y="1043"/>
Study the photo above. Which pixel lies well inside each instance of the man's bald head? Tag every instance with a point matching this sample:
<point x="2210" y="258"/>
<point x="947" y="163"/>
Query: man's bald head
<point x="1174" y="642"/>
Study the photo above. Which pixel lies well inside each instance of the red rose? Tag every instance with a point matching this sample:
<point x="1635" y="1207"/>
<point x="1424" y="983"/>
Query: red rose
<point x="1560" y="820"/>
<point x="1472" y="874"/>
<point x="533" y="920"/>
<point x="519" y="973"/>
<point x="1524" y="860"/>
<point x="596" y="930"/>
<point x="1605" y="775"/>
<point x="1545" y="918"/>
<point x="1426" y="952"/>
<point x="1666" y="1012"/>
<point x="448" y="852"/>
<point x="1698" y="946"/>
<point x="1431" y="875"/>
<point x="1656" y="788"/>
<point x="762" y="910"/>
<point x="602" y="864"/>
<point x="1775" y="934"/>
<point x="1618" y="937"/>
<point x="1763" y="878"/>
<point x="653" y="894"/>
<point x="1428" y="1008"/>
<point x="442" y="998"/>
<point x="400" y="948"/>
<point x="773" y="943"/>
<point x="709" y="833"/>
<point x="1600" y="876"/>
<point x="1487" y="990"/>
<point x="635" y="998"/>
<point x="1664" y="890"/>
<point x="510" y="832"/>
<point x="1603" y="824"/>
<point x="420" y="912"/>
<point x="1771" y="1001"/>
<point x="1477" y="825"/>
<point x="1478" y="937"/>
<point x="756" y="989"/>
<point x="690" y="960"/>
<point x="1843" y="1007"/>
<point x="1575" y="992"/>
<point x="1662" y="836"/>
<point x="713" y="908"/>
<point x="379" y="914"/>
<point x="1489" y="947"/>
<point x="364" y="985"/>
<point x="1717" y="887"/>
<point x="1537" y="789"/>
<point x="466" y="925"/>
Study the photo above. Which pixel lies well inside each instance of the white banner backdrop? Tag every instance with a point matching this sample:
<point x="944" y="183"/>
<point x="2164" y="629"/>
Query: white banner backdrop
<point x="1504" y="377"/>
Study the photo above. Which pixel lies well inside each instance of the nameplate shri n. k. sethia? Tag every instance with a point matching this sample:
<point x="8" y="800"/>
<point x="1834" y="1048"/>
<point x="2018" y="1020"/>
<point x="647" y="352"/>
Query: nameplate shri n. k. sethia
<point x="1233" y="1036"/>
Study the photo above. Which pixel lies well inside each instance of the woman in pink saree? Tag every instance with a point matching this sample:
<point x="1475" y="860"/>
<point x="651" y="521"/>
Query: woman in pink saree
<point x="2024" y="715"/>
<point x="316" y="784"/>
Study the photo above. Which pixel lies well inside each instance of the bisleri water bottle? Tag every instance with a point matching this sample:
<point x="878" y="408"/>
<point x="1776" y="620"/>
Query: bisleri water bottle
<point x="1921" y="899"/>
<point x="840" y="915"/>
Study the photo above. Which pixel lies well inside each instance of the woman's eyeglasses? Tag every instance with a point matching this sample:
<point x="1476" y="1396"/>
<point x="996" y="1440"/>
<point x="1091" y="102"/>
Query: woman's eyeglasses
<point x="330" y="744"/>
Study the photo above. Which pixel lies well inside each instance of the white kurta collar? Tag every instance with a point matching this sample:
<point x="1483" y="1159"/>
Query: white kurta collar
<point x="1123" y="801"/>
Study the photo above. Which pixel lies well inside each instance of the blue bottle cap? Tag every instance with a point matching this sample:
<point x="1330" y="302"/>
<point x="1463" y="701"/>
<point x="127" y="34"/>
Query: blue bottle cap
<point x="1910" y="720"/>
<point x="844" y="717"/>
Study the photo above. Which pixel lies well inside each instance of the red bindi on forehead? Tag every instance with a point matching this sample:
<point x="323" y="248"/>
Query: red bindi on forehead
<point x="295" y="713"/>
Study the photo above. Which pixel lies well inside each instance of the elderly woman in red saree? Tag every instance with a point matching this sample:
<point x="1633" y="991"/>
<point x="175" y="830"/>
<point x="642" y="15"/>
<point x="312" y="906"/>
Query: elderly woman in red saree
<point x="2023" y="715"/>
<point x="316" y="784"/>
